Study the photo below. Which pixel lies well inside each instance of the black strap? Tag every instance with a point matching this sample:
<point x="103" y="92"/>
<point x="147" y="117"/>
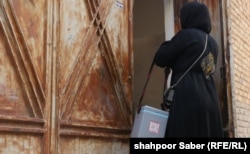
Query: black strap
<point x="144" y="88"/>
<point x="167" y="71"/>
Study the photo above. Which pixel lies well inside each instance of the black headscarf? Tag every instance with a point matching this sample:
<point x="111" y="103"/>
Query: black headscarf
<point x="195" y="15"/>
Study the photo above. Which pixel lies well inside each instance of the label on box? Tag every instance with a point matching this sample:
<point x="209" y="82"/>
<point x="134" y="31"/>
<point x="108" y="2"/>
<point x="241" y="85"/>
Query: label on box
<point x="154" y="127"/>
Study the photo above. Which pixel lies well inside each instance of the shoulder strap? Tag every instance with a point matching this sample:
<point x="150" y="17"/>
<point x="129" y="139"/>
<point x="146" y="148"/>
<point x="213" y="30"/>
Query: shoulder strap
<point x="144" y="88"/>
<point x="205" y="46"/>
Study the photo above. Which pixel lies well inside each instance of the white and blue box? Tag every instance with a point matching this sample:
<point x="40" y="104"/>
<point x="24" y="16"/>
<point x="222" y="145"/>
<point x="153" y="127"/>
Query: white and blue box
<point x="150" y="122"/>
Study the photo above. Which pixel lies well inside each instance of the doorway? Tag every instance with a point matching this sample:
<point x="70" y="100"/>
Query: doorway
<point x="149" y="32"/>
<point x="154" y="21"/>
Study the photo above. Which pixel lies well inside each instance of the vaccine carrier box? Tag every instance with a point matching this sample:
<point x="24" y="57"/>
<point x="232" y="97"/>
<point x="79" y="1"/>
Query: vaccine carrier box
<point x="150" y="122"/>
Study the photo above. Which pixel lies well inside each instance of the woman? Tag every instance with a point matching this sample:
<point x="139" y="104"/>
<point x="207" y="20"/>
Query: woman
<point x="194" y="111"/>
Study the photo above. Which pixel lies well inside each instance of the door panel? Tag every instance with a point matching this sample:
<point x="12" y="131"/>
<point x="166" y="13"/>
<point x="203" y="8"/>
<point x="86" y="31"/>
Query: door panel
<point x="22" y="88"/>
<point x="20" y="143"/>
<point x="21" y="84"/>
<point x="91" y="89"/>
<point x="65" y="76"/>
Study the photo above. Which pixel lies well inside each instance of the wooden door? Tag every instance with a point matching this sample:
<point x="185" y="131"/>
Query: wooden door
<point x="216" y="13"/>
<point x="65" y="76"/>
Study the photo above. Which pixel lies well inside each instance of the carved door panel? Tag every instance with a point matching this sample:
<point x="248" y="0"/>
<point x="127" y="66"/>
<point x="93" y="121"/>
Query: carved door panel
<point x="65" y="76"/>
<point x="94" y="73"/>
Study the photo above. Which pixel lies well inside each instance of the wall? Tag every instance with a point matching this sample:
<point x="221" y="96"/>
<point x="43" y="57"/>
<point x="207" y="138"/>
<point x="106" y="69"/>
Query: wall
<point x="149" y="33"/>
<point x="239" y="48"/>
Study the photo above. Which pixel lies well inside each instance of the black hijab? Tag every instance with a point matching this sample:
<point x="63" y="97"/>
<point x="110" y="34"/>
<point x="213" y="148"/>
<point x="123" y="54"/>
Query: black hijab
<point x="195" y="15"/>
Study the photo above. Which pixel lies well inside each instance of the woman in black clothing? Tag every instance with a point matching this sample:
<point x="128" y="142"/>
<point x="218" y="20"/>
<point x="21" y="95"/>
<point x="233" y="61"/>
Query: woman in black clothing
<point x="194" y="111"/>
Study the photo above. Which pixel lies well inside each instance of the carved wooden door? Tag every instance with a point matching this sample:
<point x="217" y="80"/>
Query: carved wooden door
<point x="65" y="76"/>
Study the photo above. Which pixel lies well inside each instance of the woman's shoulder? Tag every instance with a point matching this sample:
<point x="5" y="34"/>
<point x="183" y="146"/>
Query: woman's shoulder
<point x="188" y="34"/>
<point x="191" y="32"/>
